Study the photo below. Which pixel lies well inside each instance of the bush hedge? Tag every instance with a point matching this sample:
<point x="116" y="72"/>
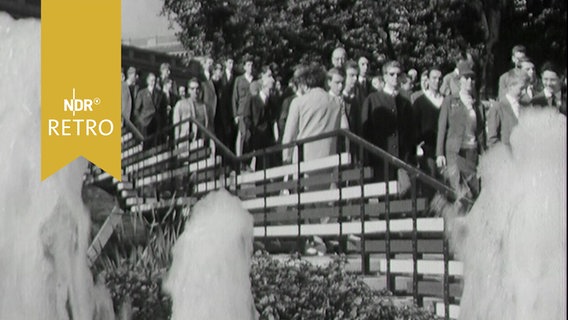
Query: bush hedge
<point x="282" y="289"/>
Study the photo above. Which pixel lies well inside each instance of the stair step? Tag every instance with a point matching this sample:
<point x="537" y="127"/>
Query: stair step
<point x="128" y="193"/>
<point x="124" y="185"/>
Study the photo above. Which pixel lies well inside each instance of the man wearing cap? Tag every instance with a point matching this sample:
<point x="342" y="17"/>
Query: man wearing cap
<point x="451" y="81"/>
<point x="461" y="135"/>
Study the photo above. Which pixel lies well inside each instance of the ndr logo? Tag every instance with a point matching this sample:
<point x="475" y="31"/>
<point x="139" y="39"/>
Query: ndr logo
<point x="77" y="105"/>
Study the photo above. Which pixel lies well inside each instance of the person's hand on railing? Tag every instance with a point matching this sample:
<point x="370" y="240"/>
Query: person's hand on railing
<point x="419" y="150"/>
<point x="441" y="161"/>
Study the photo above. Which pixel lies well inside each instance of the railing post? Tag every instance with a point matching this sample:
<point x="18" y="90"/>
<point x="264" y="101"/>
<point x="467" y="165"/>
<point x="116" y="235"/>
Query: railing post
<point x="414" y="241"/>
<point x="298" y="193"/>
<point x="340" y="207"/>
<point x="365" y="263"/>
<point x="265" y="195"/>
<point x="446" y="276"/>
<point x="390" y="284"/>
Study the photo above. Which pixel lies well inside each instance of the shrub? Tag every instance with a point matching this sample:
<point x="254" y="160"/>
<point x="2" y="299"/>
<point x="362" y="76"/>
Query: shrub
<point x="291" y="289"/>
<point x="296" y="289"/>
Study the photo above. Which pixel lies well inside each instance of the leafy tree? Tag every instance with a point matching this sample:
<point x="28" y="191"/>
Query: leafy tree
<point x="419" y="33"/>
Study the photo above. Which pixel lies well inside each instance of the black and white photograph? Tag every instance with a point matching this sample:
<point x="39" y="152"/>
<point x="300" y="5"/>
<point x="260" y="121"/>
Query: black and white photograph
<point x="299" y="159"/>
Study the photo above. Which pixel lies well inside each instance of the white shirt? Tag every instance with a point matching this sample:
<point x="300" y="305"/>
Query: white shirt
<point x="248" y="77"/>
<point x="514" y="105"/>
<point x="229" y="74"/>
<point x="469" y="139"/>
<point x="435" y="98"/>
<point x="390" y="91"/>
<point x="263" y="96"/>
<point x="548" y="93"/>
<point x="344" y="124"/>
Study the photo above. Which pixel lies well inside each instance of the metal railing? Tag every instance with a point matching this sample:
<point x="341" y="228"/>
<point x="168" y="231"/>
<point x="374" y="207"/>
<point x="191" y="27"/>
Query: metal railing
<point x="361" y="150"/>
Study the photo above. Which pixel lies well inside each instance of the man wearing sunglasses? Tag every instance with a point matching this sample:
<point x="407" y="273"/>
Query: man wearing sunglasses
<point x="388" y="122"/>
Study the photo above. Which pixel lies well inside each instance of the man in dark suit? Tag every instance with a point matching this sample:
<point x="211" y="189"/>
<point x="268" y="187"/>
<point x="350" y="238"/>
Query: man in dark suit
<point x="241" y="91"/>
<point x="259" y="117"/>
<point x="551" y="95"/>
<point x="149" y="112"/>
<point x="165" y="73"/>
<point x="387" y="122"/>
<point x="353" y="95"/>
<point x="224" y="117"/>
<point x="363" y="79"/>
<point x="503" y="116"/>
<point x="208" y="89"/>
<point x="426" y="111"/>
<point x="133" y="87"/>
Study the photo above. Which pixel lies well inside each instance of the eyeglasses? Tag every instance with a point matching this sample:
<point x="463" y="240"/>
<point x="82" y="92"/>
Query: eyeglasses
<point x="193" y="88"/>
<point x="392" y="74"/>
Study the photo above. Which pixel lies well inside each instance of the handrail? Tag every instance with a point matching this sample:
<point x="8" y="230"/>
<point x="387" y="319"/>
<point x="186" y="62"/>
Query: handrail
<point x="132" y="128"/>
<point x="369" y="147"/>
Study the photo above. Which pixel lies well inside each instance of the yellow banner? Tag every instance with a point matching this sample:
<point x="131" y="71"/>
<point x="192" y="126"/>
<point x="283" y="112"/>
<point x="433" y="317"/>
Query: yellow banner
<point x="80" y="84"/>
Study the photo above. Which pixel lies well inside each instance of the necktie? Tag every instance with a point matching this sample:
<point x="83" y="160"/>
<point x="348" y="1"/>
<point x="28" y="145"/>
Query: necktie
<point x="552" y="100"/>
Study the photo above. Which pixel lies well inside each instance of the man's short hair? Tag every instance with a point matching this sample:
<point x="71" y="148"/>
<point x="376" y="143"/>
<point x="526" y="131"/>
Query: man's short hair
<point x="525" y="59"/>
<point x="434" y="68"/>
<point x="164" y="66"/>
<point x="167" y="79"/>
<point x="193" y="80"/>
<point x="391" y="64"/>
<point x="518" y="48"/>
<point x="334" y="71"/>
<point x="299" y="76"/>
<point x="517" y="76"/>
<point x="247" y="58"/>
<point x="461" y="55"/>
<point x="338" y="49"/>
<point x="549" y="66"/>
<point x="351" y="65"/>
<point x="315" y="76"/>
<point x="264" y="69"/>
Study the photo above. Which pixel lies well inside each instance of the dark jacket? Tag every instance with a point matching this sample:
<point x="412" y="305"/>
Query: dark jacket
<point x="388" y="123"/>
<point x="540" y="100"/>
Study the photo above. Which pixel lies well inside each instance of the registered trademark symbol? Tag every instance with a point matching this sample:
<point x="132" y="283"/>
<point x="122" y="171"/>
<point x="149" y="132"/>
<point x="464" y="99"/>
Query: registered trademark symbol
<point x="97" y="101"/>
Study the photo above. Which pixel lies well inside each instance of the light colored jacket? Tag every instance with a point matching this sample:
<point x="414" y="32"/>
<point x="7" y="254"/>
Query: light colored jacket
<point x="312" y="114"/>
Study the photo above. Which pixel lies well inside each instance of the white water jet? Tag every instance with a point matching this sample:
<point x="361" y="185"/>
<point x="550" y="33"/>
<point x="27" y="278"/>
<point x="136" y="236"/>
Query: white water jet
<point x="513" y="241"/>
<point x="209" y="276"/>
<point x="44" y="226"/>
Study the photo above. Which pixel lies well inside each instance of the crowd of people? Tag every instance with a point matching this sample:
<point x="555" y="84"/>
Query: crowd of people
<point x="434" y="121"/>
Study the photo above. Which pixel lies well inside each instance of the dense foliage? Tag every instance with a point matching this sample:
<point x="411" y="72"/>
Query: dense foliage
<point x="296" y="289"/>
<point x="419" y="33"/>
<point x="291" y="289"/>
